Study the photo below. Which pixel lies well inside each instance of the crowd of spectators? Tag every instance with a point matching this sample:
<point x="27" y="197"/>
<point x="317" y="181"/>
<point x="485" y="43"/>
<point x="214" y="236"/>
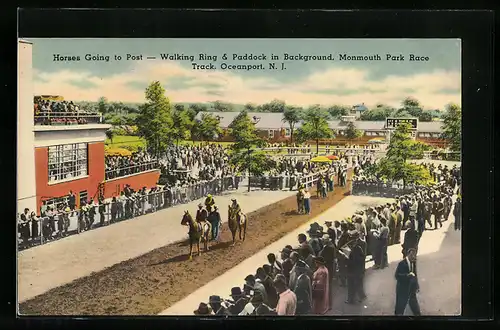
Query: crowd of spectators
<point x="186" y="165"/>
<point x="118" y="166"/>
<point x="51" y="112"/>
<point x="301" y="282"/>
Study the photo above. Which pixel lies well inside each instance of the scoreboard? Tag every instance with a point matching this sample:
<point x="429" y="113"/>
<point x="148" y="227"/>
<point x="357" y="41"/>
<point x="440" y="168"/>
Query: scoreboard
<point x="392" y="123"/>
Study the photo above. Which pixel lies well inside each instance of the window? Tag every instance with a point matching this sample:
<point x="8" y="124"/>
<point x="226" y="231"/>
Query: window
<point x="67" y="161"/>
<point x="271" y="134"/>
<point x="83" y="196"/>
<point x="287" y="132"/>
<point x="55" y="202"/>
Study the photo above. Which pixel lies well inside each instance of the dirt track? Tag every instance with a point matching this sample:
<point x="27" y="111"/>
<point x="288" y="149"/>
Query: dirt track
<point x="153" y="282"/>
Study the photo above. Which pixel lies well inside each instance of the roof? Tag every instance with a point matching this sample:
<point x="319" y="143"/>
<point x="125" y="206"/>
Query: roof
<point x="274" y="120"/>
<point x="268" y="120"/>
<point x="360" y="107"/>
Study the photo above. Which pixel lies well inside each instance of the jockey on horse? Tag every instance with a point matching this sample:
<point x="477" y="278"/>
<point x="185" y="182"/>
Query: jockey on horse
<point x="201" y="214"/>
<point x="234" y="208"/>
<point x="209" y="203"/>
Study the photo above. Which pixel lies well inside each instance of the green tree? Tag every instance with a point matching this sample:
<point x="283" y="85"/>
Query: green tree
<point x="425" y="116"/>
<point x="250" y="107"/>
<point x="377" y="114"/>
<point x="110" y="134"/>
<point x="102" y="105"/>
<point x="351" y="132"/>
<point x="394" y="166"/>
<point x="315" y="126"/>
<point x="275" y="105"/>
<point x="292" y="116"/>
<point x="337" y="111"/>
<point x="182" y="125"/>
<point x="244" y="156"/>
<point x="155" y="121"/>
<point x="207" y="128"/>
<point x="452" y="127"/>
<point x="220" y="106"/>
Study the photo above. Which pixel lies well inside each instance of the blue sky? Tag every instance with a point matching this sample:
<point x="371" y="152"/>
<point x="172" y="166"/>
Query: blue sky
<point x="434" y="83"/>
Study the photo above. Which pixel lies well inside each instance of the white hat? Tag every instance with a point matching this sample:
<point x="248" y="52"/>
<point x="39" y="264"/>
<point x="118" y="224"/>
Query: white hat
<point x="326" y="237"/>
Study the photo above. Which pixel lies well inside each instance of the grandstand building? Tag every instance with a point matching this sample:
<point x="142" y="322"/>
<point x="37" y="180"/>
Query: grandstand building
<point x="61" y="152"/>
<point x="272" y="127"/>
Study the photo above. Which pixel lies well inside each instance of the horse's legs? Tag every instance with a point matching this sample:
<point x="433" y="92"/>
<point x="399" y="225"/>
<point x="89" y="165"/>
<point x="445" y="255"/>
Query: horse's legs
<point x="198" y="246"/>
<point x="207" y="238"/>
<point x="190" y="249"/>
<point x="244" y="230"/>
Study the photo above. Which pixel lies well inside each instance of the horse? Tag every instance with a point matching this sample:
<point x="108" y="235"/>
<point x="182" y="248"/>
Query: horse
<point x="236" y="222"/>
<point x="300" y="201"/>
<point x="197" y="231"/>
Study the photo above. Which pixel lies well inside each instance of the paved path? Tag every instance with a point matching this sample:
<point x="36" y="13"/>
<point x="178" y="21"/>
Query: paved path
<point x="439" y="272"/>
<point x="222" y="285"/>
<point x="44" y="267"/>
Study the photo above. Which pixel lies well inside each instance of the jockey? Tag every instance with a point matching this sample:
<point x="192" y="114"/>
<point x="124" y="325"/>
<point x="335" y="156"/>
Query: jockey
<point x="209" y="202"/>
<point x="201" y="214"/>
<point x="235" y="207"/>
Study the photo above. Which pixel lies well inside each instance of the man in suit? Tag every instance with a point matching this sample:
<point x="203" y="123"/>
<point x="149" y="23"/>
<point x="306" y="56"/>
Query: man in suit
<point x="407" y="284"/>
<point x="411" y="238"/>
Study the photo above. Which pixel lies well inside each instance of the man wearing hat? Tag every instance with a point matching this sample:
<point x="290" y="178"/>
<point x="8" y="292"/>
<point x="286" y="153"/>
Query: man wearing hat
<point x="240" y="300"/>
<point x="256" y="285"/>
<point x="457" y="213"/>
<point x="329" y="255"/>
<point x="201" y="214"/>
<point x="286" y="263"/>
<point x="216" y="305"/>
<point x="330" y="231"/>
<point x="320" y="288"/>
<point x="209" y="202"/>
<point x="355" y="269"/>
<point x="260" y="308"/>
<point x="203" y="309"/>
<point x="216" y="222"/>
<point x="303" y="289"/>
<point x="315" y="232"/>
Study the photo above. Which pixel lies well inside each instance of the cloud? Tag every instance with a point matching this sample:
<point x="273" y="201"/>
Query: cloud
<point x="335" y="86"/>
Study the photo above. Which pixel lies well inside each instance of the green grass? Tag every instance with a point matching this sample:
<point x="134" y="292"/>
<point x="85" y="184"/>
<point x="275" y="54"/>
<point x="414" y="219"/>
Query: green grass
<point x="120" y="141"/>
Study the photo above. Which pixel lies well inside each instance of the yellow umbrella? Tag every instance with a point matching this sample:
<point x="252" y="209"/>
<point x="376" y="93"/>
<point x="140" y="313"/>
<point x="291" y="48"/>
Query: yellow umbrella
<point x="117" y="152"/>
<point x="321" y="159"/>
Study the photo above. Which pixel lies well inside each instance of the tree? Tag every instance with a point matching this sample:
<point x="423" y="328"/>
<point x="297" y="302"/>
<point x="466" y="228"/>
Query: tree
<point x="337" y="111"/>
<point x="182" y="125"/>
<point x="250" y="107"/>
<point x="452" y="127"/>
<point x="110" y="134"/>
<point x="155" y="121"/>
<point x="220" y="106"/>
<point x="377" y="114"/>
<point x="102" y="105"/>
<point x="425" y="116"/>
<point x="245" y="136"/>
<point x="292" y="116"/>
<point x="352" y="132"/>
<point x="277" y="106"/>
<point x="394" y="165"/>
<point x="207" y="128"/>
<point x="315" y="126"/>
<point x="402" y="146"/>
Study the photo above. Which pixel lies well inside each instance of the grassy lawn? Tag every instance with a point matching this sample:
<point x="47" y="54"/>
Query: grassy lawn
<point x="120" y="141"/>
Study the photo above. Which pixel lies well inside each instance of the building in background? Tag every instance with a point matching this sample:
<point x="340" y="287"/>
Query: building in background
<point x="59" y="152"/>
<point x="272" y="127"/>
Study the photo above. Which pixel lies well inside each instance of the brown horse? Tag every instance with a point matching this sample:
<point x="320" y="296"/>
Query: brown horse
<point x="237" y="222"/>
<point x="197" y="231"/>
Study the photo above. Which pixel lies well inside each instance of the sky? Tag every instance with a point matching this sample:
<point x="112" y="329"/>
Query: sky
<point x="434" y="83"/>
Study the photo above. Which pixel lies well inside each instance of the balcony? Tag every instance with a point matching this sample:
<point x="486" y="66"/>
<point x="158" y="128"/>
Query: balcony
<point x="67" y="118"/>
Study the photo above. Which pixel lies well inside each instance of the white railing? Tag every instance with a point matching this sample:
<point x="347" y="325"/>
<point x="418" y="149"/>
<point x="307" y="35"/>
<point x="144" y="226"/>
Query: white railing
<point x="45" y="229"/>
<point x="67" y="118"/>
